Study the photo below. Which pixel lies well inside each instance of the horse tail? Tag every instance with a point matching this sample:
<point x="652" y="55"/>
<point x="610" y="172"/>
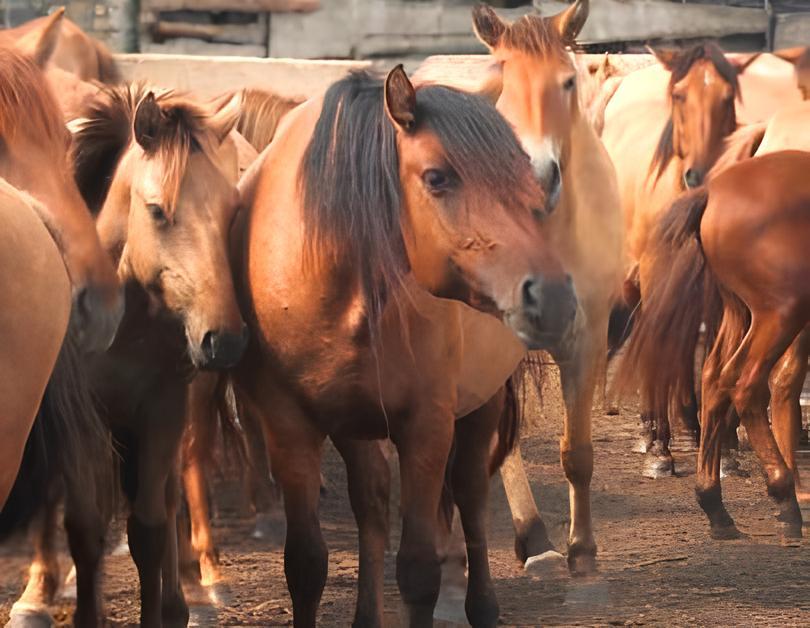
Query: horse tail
<point x="69" y="445"/>
<point x="108" y="71"/>
<point x="680" y="294"/>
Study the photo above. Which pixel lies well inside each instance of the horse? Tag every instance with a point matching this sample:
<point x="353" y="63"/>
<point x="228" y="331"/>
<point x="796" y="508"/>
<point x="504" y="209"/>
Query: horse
<point x="36" y="161"/>
<point x="260" y="114"/>
<point x="160" y="172"/>
<point x="35" y="314"/>
<point x="74" y="50"/>
<point x="738" y="248"/>
<point x="800" y="58"/>
<point x="539" y="97"/>
<point x="371" y="208"/>
<point x="658" y="152"/>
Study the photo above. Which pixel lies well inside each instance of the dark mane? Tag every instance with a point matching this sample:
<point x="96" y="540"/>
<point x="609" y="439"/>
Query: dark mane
<point x="105" y="131"/>
<point x="534" y="35"/>
<point x="26" y="102"/>
<point x="665" y="151"/>
<point x="350" y="180"/>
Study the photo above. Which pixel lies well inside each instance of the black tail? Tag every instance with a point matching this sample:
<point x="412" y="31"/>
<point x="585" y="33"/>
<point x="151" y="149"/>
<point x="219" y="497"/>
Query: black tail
<point x="68" y="443"/>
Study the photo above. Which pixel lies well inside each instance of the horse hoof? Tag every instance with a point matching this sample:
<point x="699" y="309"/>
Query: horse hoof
<point x="657" y="467"/>
<point x="29" y="616"/>
<point x="547" y="563"/>
<point x="269" y="528"/>
<point x="790" y="531"/>
<point x="209" y="570"/>
<point x="531" y="539"/>
<point x="725" y="533"/>
<point x="581" y="563"/>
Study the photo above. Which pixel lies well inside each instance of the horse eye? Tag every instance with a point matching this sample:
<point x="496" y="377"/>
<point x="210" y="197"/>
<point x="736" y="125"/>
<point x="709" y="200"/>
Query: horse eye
<point x="570" y="83"/>
<point x="157" y="213"/>
<point x="678" y="97"/>
<point x="436" y="180"/>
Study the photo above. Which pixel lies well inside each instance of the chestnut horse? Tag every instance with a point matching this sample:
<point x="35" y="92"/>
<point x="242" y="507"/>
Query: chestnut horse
<point x="36" y="297"/>
<point x="659" y="151"/>
<point x="35" y="160"/>
<point x="366" y="202"/>
<point x="74" y="50"/>
<point x="741" y="241"/>
<point x="161" y="173"/>
<point x="539" y="97"/>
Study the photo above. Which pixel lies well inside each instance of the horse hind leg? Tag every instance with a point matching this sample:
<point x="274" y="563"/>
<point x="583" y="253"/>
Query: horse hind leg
<point x="369" y="488"/>
<point x="31" y="610"/>
<point x="658" y="461"/>
<point x="532" y="545"/>
<point x="786" y="383"/>
<point x="768" y="338"/>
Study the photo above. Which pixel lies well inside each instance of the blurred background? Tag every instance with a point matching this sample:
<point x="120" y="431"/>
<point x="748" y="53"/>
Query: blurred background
<point x="402" y="29"/>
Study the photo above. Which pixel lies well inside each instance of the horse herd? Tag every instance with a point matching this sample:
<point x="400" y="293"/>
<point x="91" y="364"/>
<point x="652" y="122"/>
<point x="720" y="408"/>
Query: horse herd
<point x="373" y="264"/>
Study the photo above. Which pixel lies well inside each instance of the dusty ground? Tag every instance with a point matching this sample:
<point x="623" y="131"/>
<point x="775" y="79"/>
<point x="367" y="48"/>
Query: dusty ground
<point x="657" y="564"/>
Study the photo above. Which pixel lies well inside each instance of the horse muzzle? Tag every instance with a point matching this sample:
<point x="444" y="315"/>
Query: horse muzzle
<point x="222" y="349"/>
<point x="94" y="319"/>
<point x="546" y="313"/>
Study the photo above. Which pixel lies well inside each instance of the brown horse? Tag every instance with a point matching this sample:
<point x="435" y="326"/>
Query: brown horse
<point x="800" y="58"/>
<point x="74" y="50"/>
<point x="741" y="241"/>
<point x="35" y="160"/>
<point x="364" y="199"/>
<point x="36" y="297"/>
<point x="161" y="172"/>
<point x="658" y="152"/>
<point x="539" y="97"/>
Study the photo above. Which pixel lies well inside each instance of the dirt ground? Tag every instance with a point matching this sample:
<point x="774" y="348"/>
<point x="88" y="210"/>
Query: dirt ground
<point x="657" y="564"/>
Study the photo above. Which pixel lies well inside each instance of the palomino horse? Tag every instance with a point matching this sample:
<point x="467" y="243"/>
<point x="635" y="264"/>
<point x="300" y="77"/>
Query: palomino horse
<point x="74" y="50"/>
<point x="161" y="171"/>
<point x="34" y="318"/>
<point x="35" y="160"/>
<point x="357" y="189"/>
<point x="742" y="240"/>
<point x="659" y="149"/>
<point x="582" y="220"/>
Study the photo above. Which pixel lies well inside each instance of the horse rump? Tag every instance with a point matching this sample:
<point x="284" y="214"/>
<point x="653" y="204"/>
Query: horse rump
<point x="69" y="445"/>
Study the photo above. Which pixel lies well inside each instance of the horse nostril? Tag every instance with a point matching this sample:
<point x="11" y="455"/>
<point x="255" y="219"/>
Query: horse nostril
<point x="209" y="345"/>
<point x="531" y="292"/>
<point x="693" y="178"/>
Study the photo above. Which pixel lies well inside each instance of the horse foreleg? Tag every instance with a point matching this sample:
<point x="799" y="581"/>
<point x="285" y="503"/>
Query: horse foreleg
<point x="160" y="430"/>
<point x="369" y="488"/>
<point x="424" y="447"/>
<point x="768" y="338"/>
<point x="174" y="610"/>
<point x="470" y="480"/>
<point x="786" y="383"/>
<point x="531" y="536"/>
<point x="578" y="374"/>
<point x="86" y="526"/>
<point x="43" y="575"/>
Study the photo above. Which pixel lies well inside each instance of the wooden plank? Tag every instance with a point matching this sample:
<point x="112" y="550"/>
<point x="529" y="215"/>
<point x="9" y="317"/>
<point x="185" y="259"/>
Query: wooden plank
<point x="643" y="20"/>
<point x="246" y="6"/>
<point x="188" y="46"/>
<point x="791" y="29"/>
<point x="211" y="76"/>
<point x="255" y="34"/>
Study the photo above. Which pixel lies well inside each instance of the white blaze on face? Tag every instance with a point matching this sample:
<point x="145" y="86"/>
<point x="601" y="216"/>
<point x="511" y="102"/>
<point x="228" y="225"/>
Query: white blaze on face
<point x="708" y="77"/>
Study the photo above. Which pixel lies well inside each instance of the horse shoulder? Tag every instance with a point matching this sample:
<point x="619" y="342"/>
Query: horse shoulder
<point x="789" y="128"/>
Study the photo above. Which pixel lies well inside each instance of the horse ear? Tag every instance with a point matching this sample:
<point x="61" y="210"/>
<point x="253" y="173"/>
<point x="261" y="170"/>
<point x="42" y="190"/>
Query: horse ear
<point x="570" y="22"/>
<point x="667" y="58"/>
<point x="41" y="43"/>
<point x="791" y="55"/>
<point x="400" y="99"/>
<point x="147" y="123"/>
<point x="488" y="27"/>
<point x="742" y="64"/>
<point x="227" y="115"/>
